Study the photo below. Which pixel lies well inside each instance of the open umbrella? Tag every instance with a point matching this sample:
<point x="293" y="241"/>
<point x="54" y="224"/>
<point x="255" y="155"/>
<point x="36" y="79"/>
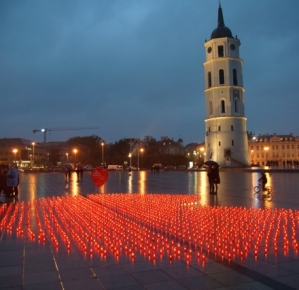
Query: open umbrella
<point x="211" y="162"/>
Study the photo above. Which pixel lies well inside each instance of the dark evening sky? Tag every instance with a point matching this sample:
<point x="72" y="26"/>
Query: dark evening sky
<point x="134" y="68"/>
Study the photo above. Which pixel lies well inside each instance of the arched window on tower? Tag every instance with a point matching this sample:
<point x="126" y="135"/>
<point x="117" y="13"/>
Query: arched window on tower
<point x="222" y="105"/>
<point x="237" y="104"/>
<point x="235" y="77"/>
<point x="209" y="79"/>
<point x="210" y="107"/>
<point x="221" y="77"/>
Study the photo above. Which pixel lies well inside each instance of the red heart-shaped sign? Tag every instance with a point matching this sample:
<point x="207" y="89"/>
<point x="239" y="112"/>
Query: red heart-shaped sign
<point x="99" y="176"/>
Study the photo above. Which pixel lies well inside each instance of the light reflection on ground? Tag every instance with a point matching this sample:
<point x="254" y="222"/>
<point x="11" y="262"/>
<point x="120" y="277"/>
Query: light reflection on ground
<point x="236" y="188"/>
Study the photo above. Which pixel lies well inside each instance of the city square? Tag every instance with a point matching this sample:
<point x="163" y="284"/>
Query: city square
<point x="150" y="230"/>
<point x="88" y="212"/>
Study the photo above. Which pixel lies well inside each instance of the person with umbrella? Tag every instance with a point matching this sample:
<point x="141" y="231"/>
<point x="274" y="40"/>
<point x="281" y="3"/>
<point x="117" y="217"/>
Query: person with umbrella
<point x="211" y="180"/>
<point x="213" y="176"/>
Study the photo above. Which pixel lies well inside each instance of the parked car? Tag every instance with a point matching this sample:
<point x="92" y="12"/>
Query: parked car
<point x="88" y="168"/>
<point x="56" y="169"/>
<point x="169" y="167"/>
<point x="131" y="168"/>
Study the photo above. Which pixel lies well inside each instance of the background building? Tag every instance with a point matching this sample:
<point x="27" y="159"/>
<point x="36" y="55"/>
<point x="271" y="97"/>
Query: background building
<point x="273" y="150"/>
<point x="23" y="152"/>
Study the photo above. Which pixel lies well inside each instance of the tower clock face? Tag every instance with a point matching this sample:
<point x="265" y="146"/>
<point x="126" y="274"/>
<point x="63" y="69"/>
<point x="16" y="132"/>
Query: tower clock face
<point x="232" y="47"/>
<point x="209" y="49"/>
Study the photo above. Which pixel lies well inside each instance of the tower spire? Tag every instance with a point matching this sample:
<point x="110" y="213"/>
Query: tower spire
<point x="221" y="30"/>
<point x="220" y="16"/>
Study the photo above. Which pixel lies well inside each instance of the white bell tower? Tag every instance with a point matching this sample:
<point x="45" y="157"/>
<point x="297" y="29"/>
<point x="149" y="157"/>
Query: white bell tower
<point x="226" y="134"/>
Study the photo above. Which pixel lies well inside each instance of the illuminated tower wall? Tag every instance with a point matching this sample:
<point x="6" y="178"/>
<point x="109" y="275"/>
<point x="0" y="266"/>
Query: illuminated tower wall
<point x="226" y="134"/>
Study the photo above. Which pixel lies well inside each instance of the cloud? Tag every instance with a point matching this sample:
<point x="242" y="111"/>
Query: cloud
<point x="135" y="67"/>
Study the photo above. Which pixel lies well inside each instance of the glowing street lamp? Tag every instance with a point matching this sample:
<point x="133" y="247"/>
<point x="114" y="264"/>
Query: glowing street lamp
<point x="202" y="150"/>
<point x="130" y="155"/>
<point x="15" y="152"/>
<point x="67" y="157"/>
<point x="141" y="150"/>
<point x="138" y="154"/>
<point x="266" y="149"/>
<point x="33" y="144"/>
<point x="75" y="151"/>
<point x="102" y="144"/>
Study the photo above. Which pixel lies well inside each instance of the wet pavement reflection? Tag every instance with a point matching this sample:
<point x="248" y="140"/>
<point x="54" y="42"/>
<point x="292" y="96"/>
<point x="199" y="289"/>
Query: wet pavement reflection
<point x="236" y="188"/>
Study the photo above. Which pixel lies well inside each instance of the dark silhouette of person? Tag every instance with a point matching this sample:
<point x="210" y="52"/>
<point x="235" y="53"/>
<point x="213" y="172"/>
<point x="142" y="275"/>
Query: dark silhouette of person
<point x="12" y="181"/>
<point x="263" y="180"/>
<point x="211" y="180"/>
<point x="81" y="172"/>
<point x="69" y="170"/>
<point x="66" y="173"/>
<point x="77" y="171"/>
<point x="214" y="178"/>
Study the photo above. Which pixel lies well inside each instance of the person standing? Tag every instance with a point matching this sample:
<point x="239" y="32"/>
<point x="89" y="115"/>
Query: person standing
<point x="81" y="172"/>
<point x="12" y="181"/>
<point x="66" y="173"/>
<point x="211" y="180"/>
<point x="216" y="177"/>
<point x="69" y="171"/>
<point x="16" y="188"/>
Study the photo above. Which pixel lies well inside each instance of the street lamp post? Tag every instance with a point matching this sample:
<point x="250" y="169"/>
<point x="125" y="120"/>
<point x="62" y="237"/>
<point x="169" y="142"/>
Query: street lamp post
<point x="33" y="143"/>
<point x="102" y="144"/>
<point x="138" y="155"/>
<point x="201" y="154"/>
<point x="141" y="150"/>
<point x="75" y="151"/>
<point x="67" y="157"/>
<point x="130" y="156"/>
<point x="15" y="152"/>
<point x="266" y="149"/>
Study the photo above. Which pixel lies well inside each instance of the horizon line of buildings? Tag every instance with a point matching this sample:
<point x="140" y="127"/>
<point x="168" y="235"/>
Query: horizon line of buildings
<point x="263" y="149"/>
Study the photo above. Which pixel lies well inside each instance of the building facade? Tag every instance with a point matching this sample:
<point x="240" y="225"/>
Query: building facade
<point x="273" y="150"/>
<point x="23" y="152"/>
<point x="226" y="134"/>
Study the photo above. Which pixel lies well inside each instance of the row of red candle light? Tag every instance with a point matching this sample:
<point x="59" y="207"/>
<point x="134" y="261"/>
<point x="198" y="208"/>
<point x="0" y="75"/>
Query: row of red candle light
<point x="155" y="226"/>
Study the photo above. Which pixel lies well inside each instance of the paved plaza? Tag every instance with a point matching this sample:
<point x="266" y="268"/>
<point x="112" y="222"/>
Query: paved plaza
<point x="150" y="230"/>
